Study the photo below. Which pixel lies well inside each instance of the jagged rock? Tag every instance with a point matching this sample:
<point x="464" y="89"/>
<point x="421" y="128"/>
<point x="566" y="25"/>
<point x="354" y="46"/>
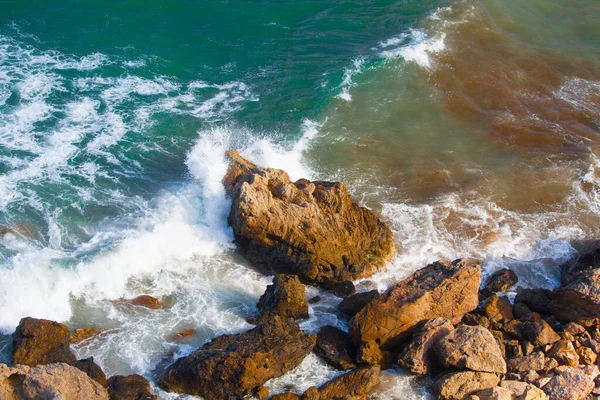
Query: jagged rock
<point x="40" y="341"/>
<point x="353" y="385"/>
<point x="574" y="328"/>
<point x="343" y="289"/>
<point x="92" y="370"/>
<point x="336" y="348"/>
<point x="520" y="310"/>
<point x="50" y="381"/>
<point x="286" y="297"/>
<point x="513" y="349"/>
<point x="371" y="354"/>
<point x="586" y="355"/>
<point x="498" y="310"/>
<point x="262" y="393"/>
<point x="417" y="355"/>
<point x="240" y="363"/>
<point x="470" y="347"/>
<point x="79" y="335"/>
<point x="570" y="384"/>
<point x="497" y="393"/>
<point x="309" y="229"/>
<point x="351" y="305"/>
<point x="500" y="281"/>
<point x="564" y="352"/>
<point x="474" y="319"/>
<point x="532" y="362"/>
<point x="442" y="289"/>
<point x="148" y="301"/>
<point x="536" y="299"/>
<point x="523" y="390"/>
<point x="459" y="385"/>
<point x="539" y="333"/>
<point x="130" y="387"/>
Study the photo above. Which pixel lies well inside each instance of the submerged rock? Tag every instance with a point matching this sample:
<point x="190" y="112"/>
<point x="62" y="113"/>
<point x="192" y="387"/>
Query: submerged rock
<point x="442" y="289"/>
<point x="309" y="229"/>
<point x="130" y="387"/>
<point x="500" y="281"/>
<point x="51" y="381"/>
<point x="353" y="385"/>
<point x="81" y="334"/>
<point x="240" y="363"/>
<point x="40" y="341"/>
<point x="286" y="297"/>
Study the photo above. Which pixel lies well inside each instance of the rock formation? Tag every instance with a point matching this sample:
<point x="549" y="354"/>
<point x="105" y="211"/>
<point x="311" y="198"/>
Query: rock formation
<point x="40" y="341"/>
<point x="286" y="298"/>
<point x="130" y="387"/>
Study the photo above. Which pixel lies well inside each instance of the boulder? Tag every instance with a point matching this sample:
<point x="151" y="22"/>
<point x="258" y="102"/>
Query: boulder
<point x="351" y="305"/>
<point x="343" y="289"/>
<point x="92" y="370"/>
<point x="500" y="281"/>
<point x="459" y="385"/>
<point x="564" y="352"/>
<point x="40" y="341"/>
<point x="130" y="387"/>
<point x="470" y="347"/>
<point x="497" y="393"/>
<point x="241" y="362"/>
<point x="586" y="355"/>
<point x="336" y="348"/>
<point x="539" y="333"/>
<point x="286" y="297"/>
<point x="498" y="310"/>
<point x="536" y="299"/>
<point x="570" y="384"/>
<point x="309" y="229"/>
<point x="50" y="381"/>
<point x="532" y="362"/>
<point x="442" y="289"/>
<point x="353" y="385"/>
<point x="523" y="390"/>
<point x="418" y="356"/>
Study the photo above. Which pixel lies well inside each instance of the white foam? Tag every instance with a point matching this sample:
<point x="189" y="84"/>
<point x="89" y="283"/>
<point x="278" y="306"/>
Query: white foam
<point x="347" y="82"/>
<point x="415" y="47"/>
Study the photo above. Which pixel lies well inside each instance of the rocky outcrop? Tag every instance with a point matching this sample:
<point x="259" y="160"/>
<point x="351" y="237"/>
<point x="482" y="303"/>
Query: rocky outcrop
<point x="92" y="370"/>
<point x="351" y="305"/>
<point x="336" y="348"/>
<point x="442" y="289"/>
<point x="241" y="363"/>
<point x="470" y="347"/>
<point x="130" y="387"/>
<point x="353" y="385"/>
<point x="286" y="297"/>
<point x="309" y="229"/>
<point x="418" y="355"/>
<point x="459" y="385"/>
<point x="51" y="381"/>
<point x="40" y="341"/>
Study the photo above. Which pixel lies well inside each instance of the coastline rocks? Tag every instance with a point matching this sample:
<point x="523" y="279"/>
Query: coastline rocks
<point x="241" y="363"/>
<point x="286" y="297"/>
<point x="309" y="229"/>
<point x="570" y="384"/>
<point x="353" y="385"/>
<point x="81" y="334"/>
<point x="500" y="281"/>
<point x="336" y="348"/>
<point x="459" y="385"/>
<point x="470" y="347"/>
<point x="51" y="381"/>
<point x="539" y="333"/>
<point x="92" y="370"/>
<point x="40" y="341"/>
<point x="130" y="387"/>
<point x="442" y="289"/>
<point x="351" y="305"/>
<point x="417" y="355"/>
<point x="532" y="362"/>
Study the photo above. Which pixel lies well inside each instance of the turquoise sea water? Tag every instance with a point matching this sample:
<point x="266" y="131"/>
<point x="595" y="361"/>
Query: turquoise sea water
<point x="472" y="127"/>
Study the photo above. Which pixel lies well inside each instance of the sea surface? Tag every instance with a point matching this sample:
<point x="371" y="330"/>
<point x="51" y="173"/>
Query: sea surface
<point x="471" y="127"/>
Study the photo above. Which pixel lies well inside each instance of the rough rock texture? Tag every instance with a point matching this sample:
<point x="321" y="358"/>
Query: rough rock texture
<point x="532" y="362"/>
<point x="371" y="354"/>
<point x="570" y="384"/>
<point x="148" y="301"/>
<point x="470" y="347"/>
<point x="130" y="387"/>
<point x="285" y="396"/>
<point x="500" y="281"/>
<point x="79" y="335"/>
<point x="524" y="390"/>
<point x="241" y="363"/>
<point x="498" y="310"/>
<point x="40" y="341"/>
<point x="536" y="299"/>
<point x="353" y="385"/>
<point x="564" y="352"/>
<point x="309" y="229"/>
<point x="336" y="348"/>
<point x="417" y="356"/>
<point x="343" y="289"/>
<point x="286" y="297"/>
<point x="442" y="289"/>
<point x="459" y="385"/>
<point x="539" y="333"/>
<point x="92" y="370"/>
<point x="497" y="393"/>
<point x="351" y="305"/>
<point x="51" y="381"/>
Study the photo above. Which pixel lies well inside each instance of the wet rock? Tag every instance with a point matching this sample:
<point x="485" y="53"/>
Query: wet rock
<point x="285" y="396"/>
<point x="500" y="281"/>
<point x="539" y="333"/>
<point x="286" y="297"/>
<point x="343" y="289"/>
<point x="92" y="370"/>
<point x="130" y="387"/>
<point x="336" y="348"/>
<point x="148" y="302"/>
<point x="40" y="341"/>
<point x="564" y="352"/>
<point x="532" y="362"/>
<point x="536" y="299"/>
<point x="442" y="289"/>
<point x="51" y="381"/>
<point x="241" y="362"/>
<point x="262" y="393"/>
<point x="352" y="385"/>
<point x="184" y="336"/>
<point x="498" y="310"/>
<point x="470" y="347"/>
<point x="417" y="355"/>
<point x="371" y="354"/>
<point x="570" y="384"/>
<point x="459" y="385"/>
<point x="351" y="305"/>
<point x="79" y="335"/>
<point x="309" y="229"/>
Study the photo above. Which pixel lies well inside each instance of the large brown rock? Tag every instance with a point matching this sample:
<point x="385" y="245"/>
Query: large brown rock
<point x="470" y="347"/>
<point x="51" y="381"/>
<point x="286" y="297"/>
<point x="539" y="332"/>
<point x="353" y="385"/>
<point x="240" y="363"/>
<point x="336" y="348"/>
<point x="564" y="352"/>
<point x="418" y="356"/>
<point x="570" y="384"/>
<point x="459" y="385"/>
<point x="40" y="341"/>
<point x="130" y="387"/>
<point x="531" y="362"/>
<point x="309" y="229"/>
<point x="442" y="289"/>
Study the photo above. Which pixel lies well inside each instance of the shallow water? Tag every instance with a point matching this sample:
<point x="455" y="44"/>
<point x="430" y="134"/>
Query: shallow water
<point x="471" y="127"/>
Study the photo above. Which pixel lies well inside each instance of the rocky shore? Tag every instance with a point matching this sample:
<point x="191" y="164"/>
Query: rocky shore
<point x="473" y="341"/>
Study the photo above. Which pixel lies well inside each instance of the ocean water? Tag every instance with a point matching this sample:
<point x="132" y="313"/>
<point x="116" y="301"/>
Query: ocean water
<point x="471" y="127"/>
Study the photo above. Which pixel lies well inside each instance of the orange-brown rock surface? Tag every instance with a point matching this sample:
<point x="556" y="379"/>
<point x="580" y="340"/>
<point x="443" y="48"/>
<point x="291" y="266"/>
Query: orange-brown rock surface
<point x="309" y="229"/>
<point x="353" y="385"/>
<point x="286" y="297"/>
<point x="40" y="341"/>
<point x="130" y="387"/>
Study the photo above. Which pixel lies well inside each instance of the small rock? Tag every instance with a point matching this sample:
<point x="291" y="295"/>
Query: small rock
<point x="539" y="333"/>
<point x="536" y="299"/>
<point x="351" y="305"/>
<point x="459" y="385"/>
<point x="574" y="328"/>
<point x="343" y="289"/>
<point x="564" y="352"/>
<point x="501" y="281"/>
<point x="371" y="354"/>
<point x="497" y="393"/>
<point x="586" y="355"/>
<point x="336" y="348"/>
<point x="285" y="396"/>
<point x="527" y="347"/>
<point x="498" y="310"/>
<point x="131" y="387"/>
<point x="532" y="362"/>
<point x="262" y="393"/>
<point x="520" y="310"/>
<point x="184" y="336"/>
<point x="524" y="391"/>
<point x="286" y="297"/>
<point x="92" y="370"/>
<point x="354" y="384"/>
<point x="475" y="320"/>
<point x="79" y="335"/>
